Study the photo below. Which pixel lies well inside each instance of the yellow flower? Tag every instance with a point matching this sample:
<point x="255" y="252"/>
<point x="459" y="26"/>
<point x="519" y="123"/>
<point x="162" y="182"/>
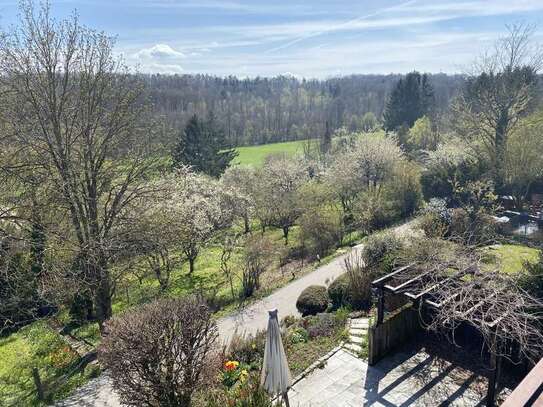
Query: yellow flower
<point x="253" y="345"/>
<point x="243" y="375"/>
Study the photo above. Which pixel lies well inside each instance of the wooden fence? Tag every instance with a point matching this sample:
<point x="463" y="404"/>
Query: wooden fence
<point x="395" y="330"/>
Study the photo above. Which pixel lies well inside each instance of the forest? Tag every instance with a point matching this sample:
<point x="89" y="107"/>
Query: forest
<point x="268" y="110"/>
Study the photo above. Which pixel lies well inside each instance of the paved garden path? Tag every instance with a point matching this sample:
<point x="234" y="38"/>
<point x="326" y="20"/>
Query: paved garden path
<point x="99" y="393"/>
<point x="255" y="316"/>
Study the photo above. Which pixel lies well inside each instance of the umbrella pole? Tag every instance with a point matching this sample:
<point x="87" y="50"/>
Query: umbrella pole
<point x="285" y="398"/>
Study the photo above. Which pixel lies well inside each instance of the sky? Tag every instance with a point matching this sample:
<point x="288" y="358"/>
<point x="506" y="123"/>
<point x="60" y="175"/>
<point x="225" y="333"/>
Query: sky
<point x="312" y="39"/>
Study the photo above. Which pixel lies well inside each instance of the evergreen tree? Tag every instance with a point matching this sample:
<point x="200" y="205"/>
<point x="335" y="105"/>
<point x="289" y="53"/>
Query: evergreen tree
<point x="411" y="98"/>
<point x="202" y="145"/>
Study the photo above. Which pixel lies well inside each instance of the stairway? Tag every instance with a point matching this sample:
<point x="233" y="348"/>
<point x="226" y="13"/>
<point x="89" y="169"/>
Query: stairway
<point x="358" y="336"/>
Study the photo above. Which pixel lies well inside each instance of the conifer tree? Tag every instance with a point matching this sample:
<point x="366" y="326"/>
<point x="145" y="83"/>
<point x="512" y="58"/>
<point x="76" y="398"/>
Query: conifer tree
<point x="202" y="146"/>
<point x="411" y="99"/>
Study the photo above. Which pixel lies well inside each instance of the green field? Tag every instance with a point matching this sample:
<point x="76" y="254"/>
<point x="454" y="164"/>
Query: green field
<point x="255" y="155"/>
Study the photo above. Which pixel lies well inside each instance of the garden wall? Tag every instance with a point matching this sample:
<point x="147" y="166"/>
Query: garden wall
<point x="393" y="332"/>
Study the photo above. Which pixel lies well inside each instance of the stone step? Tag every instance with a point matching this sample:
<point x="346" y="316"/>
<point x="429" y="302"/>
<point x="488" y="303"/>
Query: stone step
<point x="360" y="324"/>
<point x="352" y="347"/>
<point x="358" y="331"/>
<point x="356" y="339"/>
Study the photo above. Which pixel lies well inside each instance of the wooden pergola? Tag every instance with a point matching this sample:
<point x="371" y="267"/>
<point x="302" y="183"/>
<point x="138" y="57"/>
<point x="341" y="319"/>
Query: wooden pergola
<point x="423" y="289"/>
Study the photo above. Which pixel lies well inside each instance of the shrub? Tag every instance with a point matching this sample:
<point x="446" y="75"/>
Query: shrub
<point x="435" y="218"/>
<point x="298" y="335"/>
<point x="247" y="394"/>
<point x="360" y="278"/>
<point x="380" y="251"/>
<point x="531" y="278"/>
<point x="312" y="300"/>
<point x="451" y="161"/>
<point x="175" y="333"/>
<point x="322" y="325"/>
<point x="320" y="231"/>
<point x="404" y="190"/>
<point x="248" y="349"/>
<point x="471" y="228"/>
<point x="338" y="291"/>
<point x="289" y="320"/>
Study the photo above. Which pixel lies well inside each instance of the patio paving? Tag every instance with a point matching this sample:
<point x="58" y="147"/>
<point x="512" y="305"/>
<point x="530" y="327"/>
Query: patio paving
<point x="407" y="378"/>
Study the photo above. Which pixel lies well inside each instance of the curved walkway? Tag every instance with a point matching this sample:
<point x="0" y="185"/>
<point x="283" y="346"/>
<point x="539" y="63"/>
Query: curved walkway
<point x="254" y="317"/>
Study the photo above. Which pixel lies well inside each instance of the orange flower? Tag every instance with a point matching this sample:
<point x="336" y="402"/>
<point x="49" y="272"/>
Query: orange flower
<point x="231" y="365"/>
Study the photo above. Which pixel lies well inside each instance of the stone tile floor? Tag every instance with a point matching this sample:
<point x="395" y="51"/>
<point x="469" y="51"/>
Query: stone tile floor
<point x="407" y="378"/>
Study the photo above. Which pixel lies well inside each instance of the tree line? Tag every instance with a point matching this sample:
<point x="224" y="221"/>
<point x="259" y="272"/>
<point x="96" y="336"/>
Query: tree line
<point x="265" y="110"/>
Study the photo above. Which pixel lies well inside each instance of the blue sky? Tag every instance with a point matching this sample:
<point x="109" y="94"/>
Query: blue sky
<point x="313" y="38"/>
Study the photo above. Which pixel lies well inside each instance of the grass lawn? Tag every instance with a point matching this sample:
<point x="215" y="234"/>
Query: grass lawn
<point x="37" y="346"/>
<point x="509" y="257"/>
<point x="255" y="155"/>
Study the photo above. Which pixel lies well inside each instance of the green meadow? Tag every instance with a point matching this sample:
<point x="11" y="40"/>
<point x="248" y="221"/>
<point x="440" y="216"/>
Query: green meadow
<point x="255" y="155"/>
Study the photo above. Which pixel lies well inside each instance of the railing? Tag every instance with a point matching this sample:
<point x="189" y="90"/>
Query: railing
<point x="530" y="391"/>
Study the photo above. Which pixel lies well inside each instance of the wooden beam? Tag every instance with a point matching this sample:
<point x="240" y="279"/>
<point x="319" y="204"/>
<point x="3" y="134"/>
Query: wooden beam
<point x="405" y="283"/>
<point x="381" y="281"/>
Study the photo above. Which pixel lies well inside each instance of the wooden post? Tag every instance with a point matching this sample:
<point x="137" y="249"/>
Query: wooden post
<point x="380" y="306"/>
<point x="495" y="365"/>
<point x="38" y="384"/>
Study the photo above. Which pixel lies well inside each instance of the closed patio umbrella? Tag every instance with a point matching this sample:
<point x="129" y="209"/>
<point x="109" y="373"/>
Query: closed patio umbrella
<point x="275" y="377"/>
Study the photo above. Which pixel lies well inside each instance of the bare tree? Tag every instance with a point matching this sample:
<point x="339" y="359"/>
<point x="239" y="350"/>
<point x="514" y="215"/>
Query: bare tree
<point x="227" y="250"/>
<point x="73" y="110"/>
<point x="500" y="91"/>
<point x="159" y="354"/>
<point x="257" y="259"/>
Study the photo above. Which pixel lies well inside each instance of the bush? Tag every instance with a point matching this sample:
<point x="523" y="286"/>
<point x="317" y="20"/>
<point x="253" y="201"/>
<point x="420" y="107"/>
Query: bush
<point x="471" y="228"/>
<point x="288" y="320"/>
<point x="312" y="300"/>
<point x="248" y="349"/>
<point x="451" y="161"/>
<point x="531" y="278"/>
<point x="320" y="231"/>
<point x="339" y="291"/>
<point x="298" y="335"/>
<point x="380" y="250"/>
<point x="178" y="333"/>
<point x="247" y="394"/>
<point x="322" y="325"/>
<point x="404" y="190"/>
<point x="360" y="278"/>
<point x="435" y="219"/>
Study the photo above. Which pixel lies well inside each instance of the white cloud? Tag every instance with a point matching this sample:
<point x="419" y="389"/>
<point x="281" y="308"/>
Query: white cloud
<point x="159" y="51"/>
<point x="161" y="68"/>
